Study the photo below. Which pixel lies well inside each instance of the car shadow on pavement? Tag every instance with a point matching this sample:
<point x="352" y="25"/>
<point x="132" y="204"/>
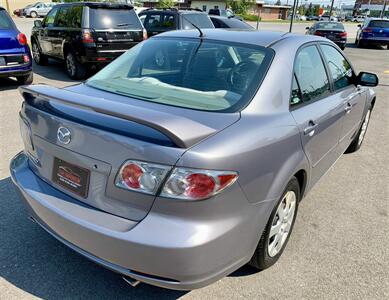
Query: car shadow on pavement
<point x="54" y="70"/>
<point x="33" y="261"/>
<point x="7" y="84"/>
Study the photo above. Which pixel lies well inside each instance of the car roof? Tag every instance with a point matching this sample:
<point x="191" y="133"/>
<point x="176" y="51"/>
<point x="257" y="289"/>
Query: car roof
<point x="251" y="37"/>
<point x="98" y="4"/>
<point x="173" y="9"/>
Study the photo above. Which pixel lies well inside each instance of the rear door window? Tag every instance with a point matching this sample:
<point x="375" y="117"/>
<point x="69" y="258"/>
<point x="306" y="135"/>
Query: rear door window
<point x="112" y="18"/>
<point x="62" y="20"/>
<point x="75" y="16"/>
<point x="49" y="20"/>
<point x="198" y="19"/>
<point x="340" y="68"/>
<point x="311" y="74"/>
<point x="5" y="20"/>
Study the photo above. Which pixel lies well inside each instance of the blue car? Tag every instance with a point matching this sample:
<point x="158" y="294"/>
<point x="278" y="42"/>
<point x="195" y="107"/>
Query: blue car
<point x="373" y="31"/>
<point x="15" y="55"/>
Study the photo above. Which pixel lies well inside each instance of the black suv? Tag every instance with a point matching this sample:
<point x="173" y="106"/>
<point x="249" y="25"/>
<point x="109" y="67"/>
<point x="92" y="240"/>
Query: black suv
<point x="165" y="19"/>
<point x="86" y="35"/>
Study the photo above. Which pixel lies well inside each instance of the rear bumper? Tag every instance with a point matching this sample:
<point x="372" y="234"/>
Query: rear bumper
<point x="375" y="40"/>
<point x="14" y="72"/>
<point x="183" y="255"/>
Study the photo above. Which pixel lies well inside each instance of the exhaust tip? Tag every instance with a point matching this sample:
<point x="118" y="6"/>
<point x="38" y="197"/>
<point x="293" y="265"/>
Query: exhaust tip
<point x="131" y="281"/>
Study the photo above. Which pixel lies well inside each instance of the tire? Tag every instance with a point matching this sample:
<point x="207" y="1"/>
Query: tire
<point x="342" y="47"/>
<point x="26" y="79"/>
<point x="269" y="250"/>
<point x="358" y="140"/>
<point x="74" y="69"/>
<point x="34" y="14"/>
<point x="37" y="55"/>
<point x="360" y="44"/>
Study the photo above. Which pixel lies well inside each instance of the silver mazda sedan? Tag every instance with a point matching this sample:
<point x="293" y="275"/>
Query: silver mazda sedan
<point x="187" y="157"/>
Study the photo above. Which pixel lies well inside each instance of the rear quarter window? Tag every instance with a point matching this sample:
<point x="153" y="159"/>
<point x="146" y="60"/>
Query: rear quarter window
<point x="198" y="19"/>
<point x="111" y="18"/>
<point x="5" y="20"/>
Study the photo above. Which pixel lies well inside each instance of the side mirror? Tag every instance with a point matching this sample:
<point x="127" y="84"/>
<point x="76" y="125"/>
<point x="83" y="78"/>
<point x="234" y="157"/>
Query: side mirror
<point x="367" y="79"/>
<point x="37" y="23"/>
<point x="359" y="25"/>
<point x="306" y="28"/>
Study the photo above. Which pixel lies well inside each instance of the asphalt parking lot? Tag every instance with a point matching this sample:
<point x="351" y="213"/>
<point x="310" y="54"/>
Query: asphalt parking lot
<point x="339" y="248"/>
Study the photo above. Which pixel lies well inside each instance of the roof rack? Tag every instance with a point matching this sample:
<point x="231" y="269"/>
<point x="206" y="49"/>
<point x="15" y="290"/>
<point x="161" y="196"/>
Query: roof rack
<point x="173" y="8"/>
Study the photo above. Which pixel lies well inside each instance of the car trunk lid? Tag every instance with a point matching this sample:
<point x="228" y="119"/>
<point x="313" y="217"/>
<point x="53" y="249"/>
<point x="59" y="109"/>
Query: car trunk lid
<point x="105" y="132"/>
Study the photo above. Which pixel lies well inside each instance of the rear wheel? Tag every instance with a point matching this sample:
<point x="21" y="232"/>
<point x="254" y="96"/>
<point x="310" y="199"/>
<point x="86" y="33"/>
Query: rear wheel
<point x="25" y="79"/>
<point x="360" y="44"/>
<point x="33" y="14"/>
<point x="39" y="58"/>
<point x="358" y="140"/>
<point x="277" y="232"/>
<point x="74" y="69"/>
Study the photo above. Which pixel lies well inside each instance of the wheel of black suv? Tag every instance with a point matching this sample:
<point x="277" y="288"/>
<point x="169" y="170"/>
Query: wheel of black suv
<point x="278" y="229"/>
<point x="26" y="79"/>
<point x="37" y="55"/>
<point x="73" y="67"/>
<point x="358" y="140"/>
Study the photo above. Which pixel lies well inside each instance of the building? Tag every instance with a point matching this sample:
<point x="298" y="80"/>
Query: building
<point x="370" y="7"/>
<point x="206" y="5"/>
<point x="270" y="11"/>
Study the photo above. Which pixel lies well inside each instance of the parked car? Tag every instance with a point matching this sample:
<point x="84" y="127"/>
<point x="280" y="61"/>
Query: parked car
<point x="312" y="18"/>
<point x="359" y="19"/>
<point x="39" y="9"/>
<point x="86" y="35"/>
<point x="177" y="175"/>
<point x="349" y="18"/>
<point x="157" y="21"/>
<point x="225" y="22"/>
<point x="224" y="13"/>
<point x="333" y="31"/>
<point x="373" y="31"/>
<point x="327" y="18"/>
<point x="15" y="56"/>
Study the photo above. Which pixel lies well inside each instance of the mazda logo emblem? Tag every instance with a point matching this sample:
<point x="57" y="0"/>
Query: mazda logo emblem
<point x="63" y="135"/>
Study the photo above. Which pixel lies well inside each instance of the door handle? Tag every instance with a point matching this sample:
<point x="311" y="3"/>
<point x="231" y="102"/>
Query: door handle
<point x="310" y="129"/>
<point x="348" y="108"/>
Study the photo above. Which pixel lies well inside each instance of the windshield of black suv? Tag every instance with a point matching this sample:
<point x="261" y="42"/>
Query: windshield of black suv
<point x="5" y="20"/>
<point x="199" y="19"/>
<point x="203" y="75"/>
<point x="112" y="18"/>
<point x="379" y="23"/>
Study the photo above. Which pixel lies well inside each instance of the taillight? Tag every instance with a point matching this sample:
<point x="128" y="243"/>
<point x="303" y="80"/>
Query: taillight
<point x="22" y="39"/>
<point x="183" y="183"/>
<point x="26" y="58"/>
<point x="144" y="34"/>
<point x="194" y="184"/>
<point x="141" y="176"/>
<point x="367" y="30"/>
<point x="342" y="34"/>
<point x="318" y="33"/>
<point x="87" y="37"/>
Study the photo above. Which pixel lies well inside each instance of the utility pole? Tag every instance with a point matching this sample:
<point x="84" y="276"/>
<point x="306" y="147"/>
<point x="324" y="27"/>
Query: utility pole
<point x="332" y="6"/>
<point x="7" y="6"/>
<point x="293" y="14"/>
<point x="383" y="10"/>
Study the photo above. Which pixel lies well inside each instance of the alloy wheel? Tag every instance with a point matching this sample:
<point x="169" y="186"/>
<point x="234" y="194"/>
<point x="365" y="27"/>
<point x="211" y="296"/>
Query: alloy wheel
<point x="282" y="223"/>
<point x="70" y="65"/>
<point x="35" y="52"/>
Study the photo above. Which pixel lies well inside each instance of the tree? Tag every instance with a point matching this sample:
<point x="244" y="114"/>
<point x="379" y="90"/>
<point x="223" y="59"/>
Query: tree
<point x="239" y="6"/>
<point x="316" y="10"/>
<point x="165" y="3"/>
<point x="278" y="2"/>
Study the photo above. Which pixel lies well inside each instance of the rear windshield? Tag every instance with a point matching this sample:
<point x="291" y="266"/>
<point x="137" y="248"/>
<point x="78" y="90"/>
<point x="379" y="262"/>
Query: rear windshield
<point x="111" y="18"/>
<point x="200" y="20"/>
<point x="329" y="25"/>
<point x="203" y="75"/>
<point x="379" y="24"/>
<point x="5" y="20"/>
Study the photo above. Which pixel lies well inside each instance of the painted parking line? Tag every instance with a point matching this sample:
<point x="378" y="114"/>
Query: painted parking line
<point x="386" y="72"/>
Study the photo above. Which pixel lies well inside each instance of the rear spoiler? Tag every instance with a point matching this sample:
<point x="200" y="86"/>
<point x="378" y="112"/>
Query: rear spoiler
<point x="184" y="132"/>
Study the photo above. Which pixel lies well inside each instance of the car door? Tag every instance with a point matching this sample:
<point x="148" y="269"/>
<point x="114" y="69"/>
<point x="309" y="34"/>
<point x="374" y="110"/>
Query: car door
<point x="353" y="97"/>
<point x="57" y="33"/>
<point x="44" y="31"/>
<point x="317" y="112"/>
